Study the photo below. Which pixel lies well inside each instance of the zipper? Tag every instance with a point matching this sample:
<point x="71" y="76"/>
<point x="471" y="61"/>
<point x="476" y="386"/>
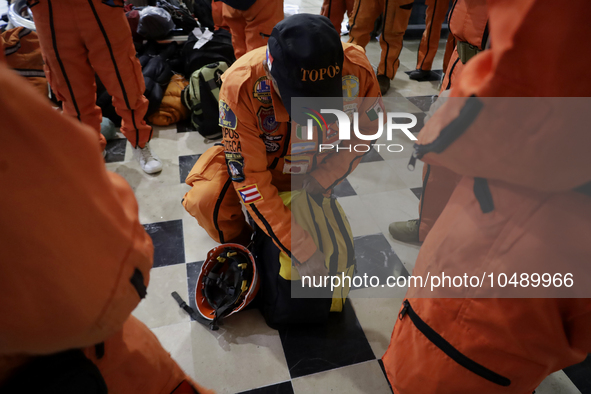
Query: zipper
<point x="449" y="133"/>
<point x="449" y="350"/>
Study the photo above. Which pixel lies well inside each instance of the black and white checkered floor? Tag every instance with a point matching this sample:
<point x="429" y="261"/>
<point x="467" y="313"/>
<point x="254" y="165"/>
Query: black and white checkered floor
<point x="245" y="356"/>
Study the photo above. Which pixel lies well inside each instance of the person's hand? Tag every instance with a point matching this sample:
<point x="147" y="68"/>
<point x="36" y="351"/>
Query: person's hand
<point x="311" y="185"/>
<point x="313" y="267"/>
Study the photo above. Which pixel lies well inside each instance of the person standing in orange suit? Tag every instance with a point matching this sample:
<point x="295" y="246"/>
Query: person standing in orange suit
<point x="251" y="22"/>
<point x="515" y="210"/>
<point x="396" y="14"/>
<point x="468" y="22"/>
<point x="82" y="38"/>
<point x="75" y="261"/>
<point x="434" y="18"/>
<point x="335" y="9"/>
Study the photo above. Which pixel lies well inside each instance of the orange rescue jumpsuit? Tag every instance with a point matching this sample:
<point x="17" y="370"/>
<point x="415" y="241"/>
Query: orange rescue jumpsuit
<point x="434" y="18"/>
<point x="533" y="216"/>
<point x="257" y="135"/>
<point x="469" y="23"/>
<point x="334" y="10"/>
<point x="246" y="26"/>
<point x="23" y="54"/>
<point x="81" y="38"/>
<point x="396" y="14"/>
<point x="217" y="8"/>
<point x="76" y="260"/>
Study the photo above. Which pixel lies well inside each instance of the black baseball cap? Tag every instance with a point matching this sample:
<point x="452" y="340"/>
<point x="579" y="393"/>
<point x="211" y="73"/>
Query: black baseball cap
<point x="305" y="57"/>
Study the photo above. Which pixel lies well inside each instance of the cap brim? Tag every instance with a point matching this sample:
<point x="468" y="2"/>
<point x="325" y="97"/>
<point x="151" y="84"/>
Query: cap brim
<point x="332" y="94"/>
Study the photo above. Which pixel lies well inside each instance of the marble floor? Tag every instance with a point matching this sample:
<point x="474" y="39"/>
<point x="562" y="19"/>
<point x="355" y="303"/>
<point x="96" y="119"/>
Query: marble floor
<point x="246" y="356"/>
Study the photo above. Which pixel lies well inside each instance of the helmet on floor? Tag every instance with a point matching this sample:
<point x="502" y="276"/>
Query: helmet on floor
<point x="227" y="283"/>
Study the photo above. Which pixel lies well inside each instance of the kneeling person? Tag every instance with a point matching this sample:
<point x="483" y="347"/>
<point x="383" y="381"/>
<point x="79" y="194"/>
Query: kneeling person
<point x="259" y="157"/>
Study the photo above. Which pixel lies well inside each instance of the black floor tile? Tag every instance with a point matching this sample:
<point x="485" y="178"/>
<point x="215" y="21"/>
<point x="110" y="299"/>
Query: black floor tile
<point x="185" y="126"/>
<point x="385" y="376"/>
<point x="418" y="191"/>
<point x="192" y="274"/>
<point x="339" y="343"/>
<point x="371" y="156"/>
<point x="436" y="75"/>
<point x="279" y="388"/>
<point x="422" y="102"/>
<point x="580" y="375"/>
<point x="344" y="189"/>
<point x="186" y="164"/>
<point x="115" y="150"/>
<point x="167" y="237"/>
<point x="375" y="257"/>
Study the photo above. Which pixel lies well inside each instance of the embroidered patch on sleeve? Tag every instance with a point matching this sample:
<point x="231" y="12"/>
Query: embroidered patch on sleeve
<point x="373" y="112"/>
<point x="227" y="116"/>
<point x="235" y="163"/>
<point x="250" y="194"/>
<point x="262" y="90"/>
<point x="267" y="122"/>
<point x="350" y="87"/>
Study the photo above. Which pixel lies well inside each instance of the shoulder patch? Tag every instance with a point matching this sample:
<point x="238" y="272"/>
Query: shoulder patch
<point x="262" y="90"/>
<point x="350" y="87"/>
<point x="227" y="116"/>
<point x="267" y="122"/>
<point x="235" y="163"/>
<point x="250" y="194"/>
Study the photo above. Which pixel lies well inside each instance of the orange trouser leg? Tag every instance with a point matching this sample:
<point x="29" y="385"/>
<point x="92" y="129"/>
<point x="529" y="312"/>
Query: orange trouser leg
<point x="450" y="46"/>
<point x="363" y="18"/>
<point x="261" y="18"/>
<point x="434" y="18"/>
<point x="415" y="365"/>
<point x="396" y="15"/>
<point x="212" y="199"/>
<point x="454" y="69"/>
<point x="217" y="14"/>
<point x="107" y="36"/>
<point x="135" y="362"/>
<point x="237" y="24"/>
<point x="66" y="63"/>
<point x="334" y="10"/>
<point x="438" y="185"/>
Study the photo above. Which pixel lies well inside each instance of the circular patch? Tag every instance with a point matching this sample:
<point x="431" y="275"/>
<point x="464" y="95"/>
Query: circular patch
<point x="262" y="90"/>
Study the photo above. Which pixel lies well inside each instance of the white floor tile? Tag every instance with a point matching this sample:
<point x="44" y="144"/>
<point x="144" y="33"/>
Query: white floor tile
<point x="377" y="317"/>
<point x="159" y="308"/>
<point x="176" y="339"/>
<point x="242" y="355"/>
<point x="375" y="177"/>
<point x="359" y="218"/>
<point x="557" y="383"/>
<point x="197" y="241"/>
<point x="359" y="378"/>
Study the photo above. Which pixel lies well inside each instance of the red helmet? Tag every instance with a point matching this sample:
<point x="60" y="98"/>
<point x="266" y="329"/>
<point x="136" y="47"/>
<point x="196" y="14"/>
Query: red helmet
<point x="227" y="283"/>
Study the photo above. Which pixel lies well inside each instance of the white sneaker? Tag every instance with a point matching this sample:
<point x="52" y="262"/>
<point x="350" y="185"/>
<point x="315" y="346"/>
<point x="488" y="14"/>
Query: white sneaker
<point x="148" y="160"/>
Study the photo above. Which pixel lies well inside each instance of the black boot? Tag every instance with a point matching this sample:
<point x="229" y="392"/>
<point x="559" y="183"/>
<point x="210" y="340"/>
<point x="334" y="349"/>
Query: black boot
<point x="384" y="83"/>
<point x="420" y="75"/>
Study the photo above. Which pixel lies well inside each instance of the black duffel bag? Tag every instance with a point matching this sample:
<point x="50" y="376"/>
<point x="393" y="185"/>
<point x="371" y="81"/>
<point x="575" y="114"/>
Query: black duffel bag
<point x="218" y="49"/>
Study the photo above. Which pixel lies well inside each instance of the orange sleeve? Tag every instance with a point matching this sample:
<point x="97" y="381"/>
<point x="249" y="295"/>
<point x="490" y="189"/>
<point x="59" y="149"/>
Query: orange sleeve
<point x="75" y="258"/>
<point x="338" y="165"/>
<point x="254" y="187"/>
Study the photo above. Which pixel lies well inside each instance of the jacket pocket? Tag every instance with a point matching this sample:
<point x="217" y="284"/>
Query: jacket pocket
<point x="449" y="350"/>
